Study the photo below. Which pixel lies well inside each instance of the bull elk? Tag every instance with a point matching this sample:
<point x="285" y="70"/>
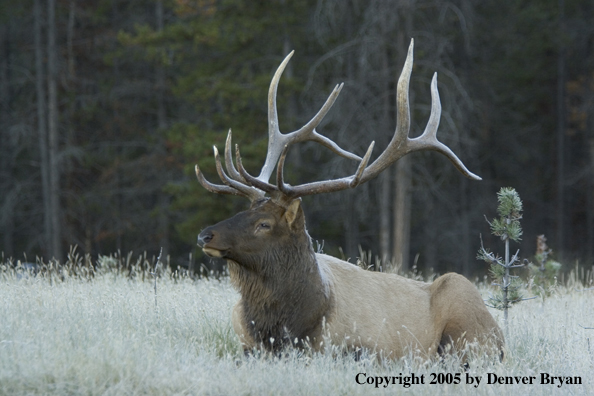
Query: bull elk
<point x="291" y="295"/>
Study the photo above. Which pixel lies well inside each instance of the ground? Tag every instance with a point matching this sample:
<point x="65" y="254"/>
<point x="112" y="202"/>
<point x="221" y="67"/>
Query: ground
<point x="108" y="336"/>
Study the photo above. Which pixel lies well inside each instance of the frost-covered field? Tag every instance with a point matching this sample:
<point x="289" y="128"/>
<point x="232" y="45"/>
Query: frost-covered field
<point x="105" y="337"/>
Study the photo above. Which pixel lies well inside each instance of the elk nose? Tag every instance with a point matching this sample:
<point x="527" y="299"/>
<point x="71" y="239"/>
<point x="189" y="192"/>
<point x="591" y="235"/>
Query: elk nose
<point x="205" y="237"/>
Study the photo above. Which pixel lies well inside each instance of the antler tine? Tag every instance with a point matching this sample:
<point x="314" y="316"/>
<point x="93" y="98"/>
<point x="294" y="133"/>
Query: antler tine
<point x="280" y="181"/>
<point x="245" y="190"/>
<point x="401" y="144"/>
<point x="277" y="140"/>
<point x="308" y="131"/>
<point x="273" y="126"/>
<point x="236" y="185"/>
<point x="249" y="178"/>
<point x="428" y="140"/>
<point x="275" y="137"/>
<point x="397" y="146"/>
<point x="357" y="177"/>
<point x="215" y="188"/>
<point x="229" y="161"/>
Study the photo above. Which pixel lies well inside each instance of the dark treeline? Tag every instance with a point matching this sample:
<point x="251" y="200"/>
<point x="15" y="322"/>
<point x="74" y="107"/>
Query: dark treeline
<point x="105" y="107"/>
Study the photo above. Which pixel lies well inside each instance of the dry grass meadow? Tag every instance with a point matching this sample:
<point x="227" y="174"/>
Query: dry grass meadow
<point x="106" y="335"/>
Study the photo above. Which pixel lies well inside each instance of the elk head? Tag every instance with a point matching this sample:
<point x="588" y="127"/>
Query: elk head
<point x="278" y="218"/>
<point x="243" y="237"/>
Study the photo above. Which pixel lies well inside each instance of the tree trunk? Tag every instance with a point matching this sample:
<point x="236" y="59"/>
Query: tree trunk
<point x="42" y="128"/>
<point x="384" y="178"/>
<point x="384" y="219"/>
<point x="7" y="182"/>
<point x="351" y="228"/>
<point x="466" y="263"/>
<point x="402" y="214"/>
<point x="53" y="136"/>
<point x="402" y="202"/>
<point x="590" y="176"/>
<point x="589" y="179"/>
<point x="430" y="238"/>
<point x="161" y="125"/>
<point x="117" y="194"/>
<point x="70" y="37"/>
<point x="561" y="134"/>
<point x="160" y="75"/>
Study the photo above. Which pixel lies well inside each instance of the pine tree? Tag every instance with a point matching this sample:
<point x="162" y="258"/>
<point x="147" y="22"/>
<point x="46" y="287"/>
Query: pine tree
<point x="507" y="227"/>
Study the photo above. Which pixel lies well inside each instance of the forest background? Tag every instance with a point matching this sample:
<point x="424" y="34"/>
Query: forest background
<point x="107" y="105"/>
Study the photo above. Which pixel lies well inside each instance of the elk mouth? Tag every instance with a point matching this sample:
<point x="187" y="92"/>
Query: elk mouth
<point x="212" y="252"/>
<point x="206" y="238"/>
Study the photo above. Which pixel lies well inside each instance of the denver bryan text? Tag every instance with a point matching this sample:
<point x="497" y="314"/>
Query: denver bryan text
<point x="545" y="379"/>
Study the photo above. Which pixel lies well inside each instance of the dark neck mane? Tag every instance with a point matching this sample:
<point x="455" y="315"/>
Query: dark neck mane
<point x="285" y="299"/>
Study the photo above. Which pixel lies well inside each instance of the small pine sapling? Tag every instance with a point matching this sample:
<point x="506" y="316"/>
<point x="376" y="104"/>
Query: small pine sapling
<point x="544" y="275"/>
<point x="507" y="227"/>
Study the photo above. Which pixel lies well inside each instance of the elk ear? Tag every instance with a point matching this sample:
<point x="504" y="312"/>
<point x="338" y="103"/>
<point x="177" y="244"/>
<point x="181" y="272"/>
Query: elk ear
<point x="292" y="212"/>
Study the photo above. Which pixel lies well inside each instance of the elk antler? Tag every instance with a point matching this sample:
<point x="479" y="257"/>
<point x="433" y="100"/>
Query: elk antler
<point x="277" y="141"/>
<point x="241" y="182"/>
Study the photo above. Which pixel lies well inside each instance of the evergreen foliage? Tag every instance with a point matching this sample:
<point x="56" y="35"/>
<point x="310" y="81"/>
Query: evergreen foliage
<point x="508" y="228"/>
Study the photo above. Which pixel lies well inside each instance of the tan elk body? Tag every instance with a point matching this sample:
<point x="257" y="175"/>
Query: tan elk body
<point x="291" y="295"/>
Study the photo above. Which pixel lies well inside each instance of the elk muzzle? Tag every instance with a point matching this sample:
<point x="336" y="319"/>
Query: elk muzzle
<point x="206" y="240"/>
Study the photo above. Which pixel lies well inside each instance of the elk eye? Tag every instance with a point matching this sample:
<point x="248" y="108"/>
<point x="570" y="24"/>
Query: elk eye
<point x="264" y="225"/>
